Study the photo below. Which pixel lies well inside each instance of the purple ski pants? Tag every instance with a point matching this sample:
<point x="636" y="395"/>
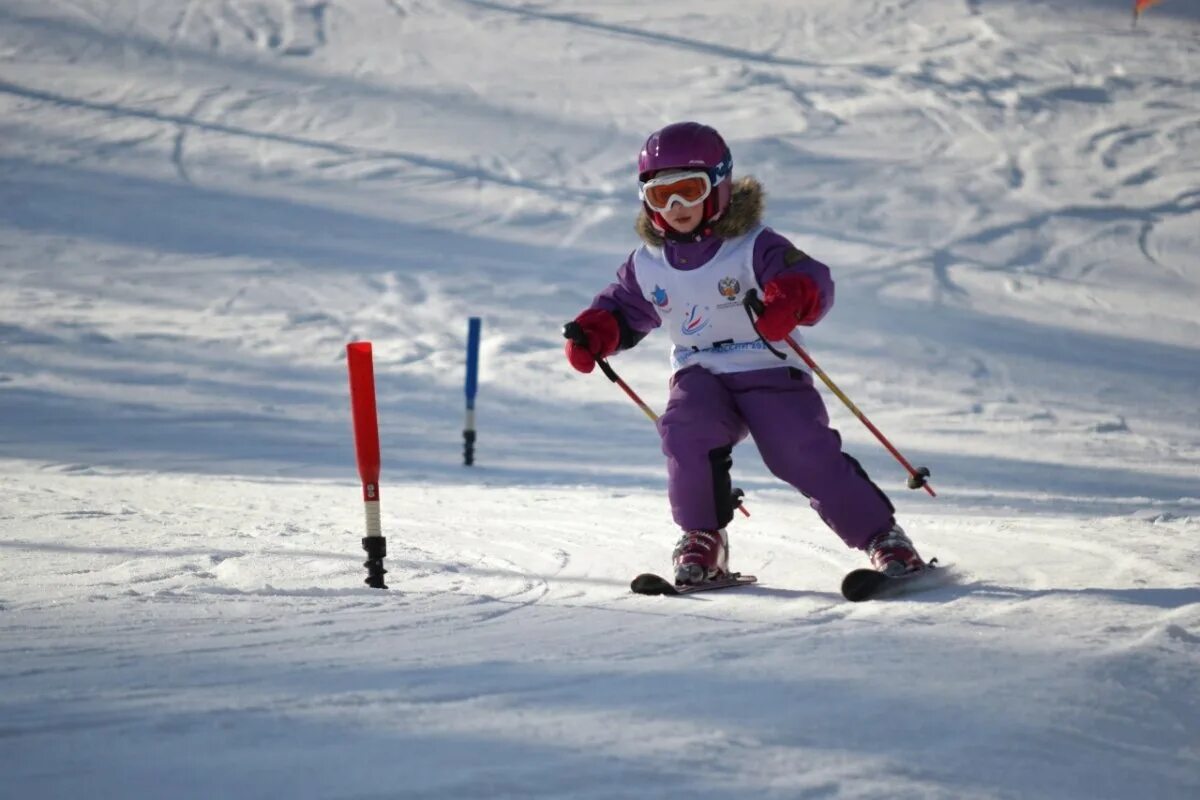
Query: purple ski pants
<point x="708" y="413"/>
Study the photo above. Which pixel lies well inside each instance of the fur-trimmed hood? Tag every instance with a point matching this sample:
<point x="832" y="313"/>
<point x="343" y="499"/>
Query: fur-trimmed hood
<point x="744" y="212"/>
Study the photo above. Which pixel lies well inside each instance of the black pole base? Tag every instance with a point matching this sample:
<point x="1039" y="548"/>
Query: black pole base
<point x="376" y="547"/>
<point x="468" y="447"/>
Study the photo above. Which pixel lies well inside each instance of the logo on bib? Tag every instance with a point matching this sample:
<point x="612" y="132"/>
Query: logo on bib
<point x="729" y="288"/>
<point x="695" y="321"/>
<point x="659" y="296"/>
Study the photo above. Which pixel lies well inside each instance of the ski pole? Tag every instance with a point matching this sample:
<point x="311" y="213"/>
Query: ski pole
<point x="917" y="475"/>
<point x="574" y="332"/>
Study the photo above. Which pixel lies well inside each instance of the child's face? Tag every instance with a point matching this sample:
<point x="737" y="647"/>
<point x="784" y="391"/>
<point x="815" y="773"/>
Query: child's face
<point x="682" y="218"/>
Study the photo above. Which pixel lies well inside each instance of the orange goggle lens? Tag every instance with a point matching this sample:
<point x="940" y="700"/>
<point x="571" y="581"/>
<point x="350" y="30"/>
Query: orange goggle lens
<point x="688" y="190"/>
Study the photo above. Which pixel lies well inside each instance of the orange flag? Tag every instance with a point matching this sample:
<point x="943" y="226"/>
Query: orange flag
<point x="1141" y="5"/>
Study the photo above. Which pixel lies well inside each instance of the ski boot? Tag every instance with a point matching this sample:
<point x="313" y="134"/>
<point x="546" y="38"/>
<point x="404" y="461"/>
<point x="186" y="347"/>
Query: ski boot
<point x="701" y="556"/>
<point x="893" y="553"/>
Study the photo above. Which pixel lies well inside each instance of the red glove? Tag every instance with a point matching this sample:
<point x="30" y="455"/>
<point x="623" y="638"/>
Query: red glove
<point x="788" y="301"/>
<point x="603" y="336"/>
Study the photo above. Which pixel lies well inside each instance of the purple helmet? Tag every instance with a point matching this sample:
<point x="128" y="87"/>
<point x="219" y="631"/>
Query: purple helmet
<point x="684" y="145"/>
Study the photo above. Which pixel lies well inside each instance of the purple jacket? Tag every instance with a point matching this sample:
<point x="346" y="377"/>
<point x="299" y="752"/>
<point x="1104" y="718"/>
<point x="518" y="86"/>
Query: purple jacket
<point x="773" y="256"/>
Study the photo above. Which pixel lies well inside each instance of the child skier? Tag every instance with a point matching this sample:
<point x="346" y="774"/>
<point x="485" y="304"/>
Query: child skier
<point x="705" y="248"/>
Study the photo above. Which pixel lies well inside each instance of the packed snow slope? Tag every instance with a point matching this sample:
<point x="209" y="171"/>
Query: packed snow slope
<point x="203" y="201"/>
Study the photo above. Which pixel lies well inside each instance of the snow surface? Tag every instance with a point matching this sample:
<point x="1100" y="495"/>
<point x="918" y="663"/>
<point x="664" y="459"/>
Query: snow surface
<point x="203" y="201"/>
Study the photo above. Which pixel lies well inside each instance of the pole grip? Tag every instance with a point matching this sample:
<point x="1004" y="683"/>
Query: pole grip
<point x="752" y="302"/>
<point x="575" y="332"/>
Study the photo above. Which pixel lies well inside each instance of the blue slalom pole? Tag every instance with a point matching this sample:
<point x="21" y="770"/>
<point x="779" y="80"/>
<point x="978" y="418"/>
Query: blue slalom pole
<point x="473" y="326"/>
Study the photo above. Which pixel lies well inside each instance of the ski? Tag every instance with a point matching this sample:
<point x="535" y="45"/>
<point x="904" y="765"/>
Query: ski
<point x="857" y="586"/>
<point x="869" y="584"/>
<point x="649" y="583"/>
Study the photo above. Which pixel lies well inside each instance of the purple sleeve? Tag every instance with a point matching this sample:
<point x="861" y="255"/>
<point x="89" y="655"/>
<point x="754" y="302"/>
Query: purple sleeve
<point x="624" y="298"/>
<point x="774" y="255"/>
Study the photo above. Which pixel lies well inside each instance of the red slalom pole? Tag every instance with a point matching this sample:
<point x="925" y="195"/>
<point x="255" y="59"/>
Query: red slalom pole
<point x="366" y="446"/>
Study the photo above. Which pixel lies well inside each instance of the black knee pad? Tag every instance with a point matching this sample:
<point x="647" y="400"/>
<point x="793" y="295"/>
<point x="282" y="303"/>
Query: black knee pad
<point x="721" y="460"/>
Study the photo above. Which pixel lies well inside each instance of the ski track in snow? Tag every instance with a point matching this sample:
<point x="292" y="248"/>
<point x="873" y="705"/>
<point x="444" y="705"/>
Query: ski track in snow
<point x="204" y="200"/>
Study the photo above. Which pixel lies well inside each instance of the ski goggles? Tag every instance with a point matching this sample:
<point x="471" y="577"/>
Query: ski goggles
<point x="687" y="188"/>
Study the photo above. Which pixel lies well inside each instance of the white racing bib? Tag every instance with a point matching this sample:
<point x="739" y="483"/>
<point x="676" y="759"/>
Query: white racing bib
<point x="702" y="308"/>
